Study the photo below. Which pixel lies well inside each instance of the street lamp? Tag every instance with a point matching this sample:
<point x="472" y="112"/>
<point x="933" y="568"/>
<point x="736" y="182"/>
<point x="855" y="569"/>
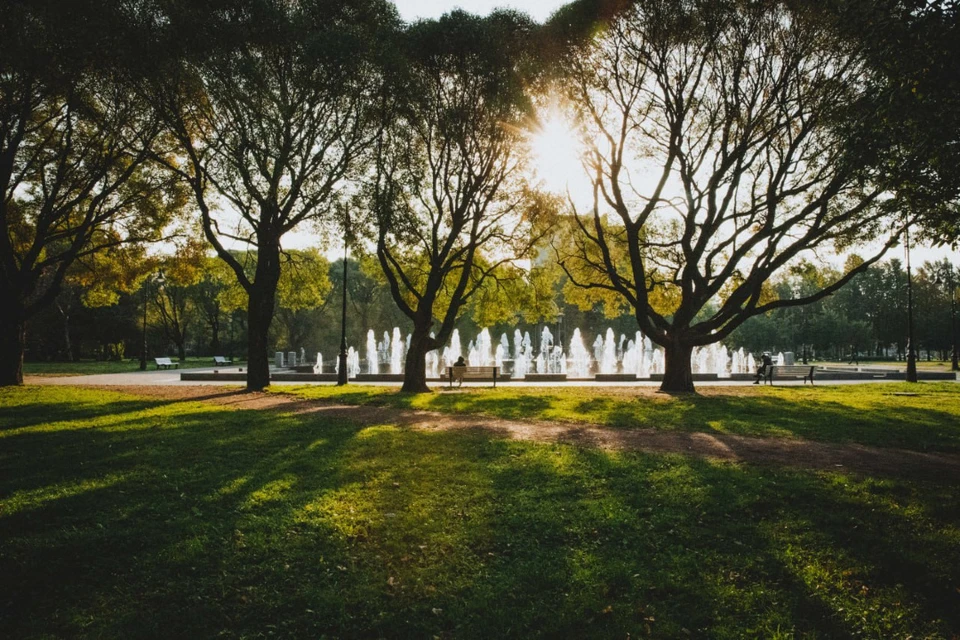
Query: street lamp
<point x="951" y="287"/>
<point x="803" y="335"/>
<point x="157" y="280"/>
<point x="342" y="361"/>
<point x="911" y="355"/>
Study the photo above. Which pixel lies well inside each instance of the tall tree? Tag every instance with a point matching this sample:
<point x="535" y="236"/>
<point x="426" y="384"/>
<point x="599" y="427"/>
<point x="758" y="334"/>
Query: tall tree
<point x="447" y="196"/>
<point x="272" y="121"/>
<point x="718" y="154"/>
<point x="75" y="145"/>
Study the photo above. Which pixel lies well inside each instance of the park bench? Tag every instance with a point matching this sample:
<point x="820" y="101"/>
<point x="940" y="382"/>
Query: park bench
<point x="472" y="373"/>
<point x="804" y="371"/>
<point x="166" y="363"/>
<point x="220" y="360"/>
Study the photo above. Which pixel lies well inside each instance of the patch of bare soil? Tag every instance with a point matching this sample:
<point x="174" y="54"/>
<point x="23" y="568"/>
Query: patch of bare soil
<point x="767" y="451"/>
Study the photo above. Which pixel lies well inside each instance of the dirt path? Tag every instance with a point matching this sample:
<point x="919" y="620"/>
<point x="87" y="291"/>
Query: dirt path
<point x="770" y="451"/>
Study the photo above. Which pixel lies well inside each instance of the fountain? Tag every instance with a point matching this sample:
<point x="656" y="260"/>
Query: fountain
<point x="579" y="356"/>
<point x="546" y="358"/>
<point x="396" y="352"/>
<point x="353" y="363"/>
<point x="373" y="361"/>
<point x="598" y="349"/>
<point x="433" y="359"/>
<point x="656" y="362"/>
<point x="318" y="368"/>
<point x="484" y="348"/>
<point x="608" y="355"/>
<point x="633" y="355"/>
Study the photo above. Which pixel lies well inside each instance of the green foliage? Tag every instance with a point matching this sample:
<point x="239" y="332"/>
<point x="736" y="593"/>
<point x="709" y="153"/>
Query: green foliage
<point x="201" y="521"/>
<point x="304" y="280"/>
<point x="868" y="314"/>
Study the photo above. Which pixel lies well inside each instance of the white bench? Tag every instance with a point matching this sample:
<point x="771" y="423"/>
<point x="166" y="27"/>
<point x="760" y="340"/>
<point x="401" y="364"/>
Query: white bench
<point x="166" y="363"/>
<point x="804" y="371"/>
<point x="220" y="360"/>
<point x="472" y="373"/>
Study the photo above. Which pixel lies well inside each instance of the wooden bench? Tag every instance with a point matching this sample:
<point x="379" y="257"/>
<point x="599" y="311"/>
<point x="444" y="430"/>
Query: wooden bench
<point x="166" y="363"/>
<point x="804" y="371"/>
<point x="472" y="373"/>
<point x="220" y="360"/>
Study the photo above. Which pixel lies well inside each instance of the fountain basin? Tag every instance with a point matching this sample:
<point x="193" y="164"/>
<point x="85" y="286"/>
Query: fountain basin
<point x="545" y="377"/>
<point x="616" y="377"/>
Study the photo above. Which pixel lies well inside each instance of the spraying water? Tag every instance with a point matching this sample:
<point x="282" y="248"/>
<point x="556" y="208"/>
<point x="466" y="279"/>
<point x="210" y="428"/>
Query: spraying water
<point x="579" y="356"/>
<point x="373" y="364"/>
<point x="608" y="356"/>
<point x="396" y="352"/>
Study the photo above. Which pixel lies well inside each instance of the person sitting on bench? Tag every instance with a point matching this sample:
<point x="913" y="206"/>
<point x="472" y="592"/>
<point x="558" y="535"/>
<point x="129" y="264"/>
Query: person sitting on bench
<point x="458" y="368"/>
<point x="766" y="363"/>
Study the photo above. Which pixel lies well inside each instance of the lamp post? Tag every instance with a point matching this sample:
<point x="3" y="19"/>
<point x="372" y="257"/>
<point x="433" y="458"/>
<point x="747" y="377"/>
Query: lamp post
<point x="803" y="335"/>
<point x="157" y="280"/>
<point x="911" y="355"/>
<point x="342" y="361"/>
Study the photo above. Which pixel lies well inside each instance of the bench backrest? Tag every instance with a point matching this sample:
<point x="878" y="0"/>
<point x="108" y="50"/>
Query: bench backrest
<point x="219" y="360"/>
<point x="473" y="371"/>
<point x="163" y="360"/>
<point x="793" y="368"/>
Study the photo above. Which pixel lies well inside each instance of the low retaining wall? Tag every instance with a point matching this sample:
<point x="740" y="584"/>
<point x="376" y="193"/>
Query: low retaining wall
<point x="545" y="377"/>
<point x="825" y="375"/>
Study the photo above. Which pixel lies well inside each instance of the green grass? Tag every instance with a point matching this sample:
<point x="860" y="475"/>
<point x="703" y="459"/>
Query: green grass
<point x="130" y="517"/>
<point x="925" y="365"/>
<point x="873" y="414"/>
<point x="93" y="367"/>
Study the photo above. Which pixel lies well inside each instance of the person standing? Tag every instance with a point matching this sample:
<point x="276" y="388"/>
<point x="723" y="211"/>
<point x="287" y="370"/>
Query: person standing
<point x="766" y="361"/>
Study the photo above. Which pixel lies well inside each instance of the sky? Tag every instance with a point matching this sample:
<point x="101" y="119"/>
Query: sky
<point x="539" y="10"/>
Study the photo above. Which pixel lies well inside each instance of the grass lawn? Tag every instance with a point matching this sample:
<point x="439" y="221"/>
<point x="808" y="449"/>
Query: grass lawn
<point x="93" y="367"/>
<point x="925" y="365"/>
<point x="928" y="419"/>
<point x="130" y="517"/>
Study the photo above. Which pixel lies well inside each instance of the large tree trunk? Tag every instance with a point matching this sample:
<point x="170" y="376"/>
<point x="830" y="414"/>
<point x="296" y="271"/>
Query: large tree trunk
<point x="13" y="337"/>
<point x="415" y="367"/>
<point x="260" y="308"/>
<point x="678" y="372"/>
<point x="215" y="338"/>
<point x="68" y="344"/>
<point x="182" y="350"/>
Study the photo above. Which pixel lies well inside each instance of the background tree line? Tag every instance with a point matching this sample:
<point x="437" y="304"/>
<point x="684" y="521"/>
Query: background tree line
<point x="199" y="312"/>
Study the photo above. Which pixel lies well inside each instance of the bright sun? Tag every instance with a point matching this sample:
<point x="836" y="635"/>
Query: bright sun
<point x="556" y="155"/>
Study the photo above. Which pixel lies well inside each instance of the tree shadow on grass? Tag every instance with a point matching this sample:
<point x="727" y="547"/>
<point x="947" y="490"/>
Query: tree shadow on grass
<point x="511" y="408"/>
<point x="247" y="523"/>
<point x="34" y="414"/>
<point x="912" y="428"/>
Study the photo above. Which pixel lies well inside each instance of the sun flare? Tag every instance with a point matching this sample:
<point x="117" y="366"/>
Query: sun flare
<point x="556" y="152"/>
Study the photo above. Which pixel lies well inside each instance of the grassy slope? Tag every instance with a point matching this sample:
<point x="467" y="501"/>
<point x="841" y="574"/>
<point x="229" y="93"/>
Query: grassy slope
<point x="873" y="414"/>
<point x="125" y="517"/>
